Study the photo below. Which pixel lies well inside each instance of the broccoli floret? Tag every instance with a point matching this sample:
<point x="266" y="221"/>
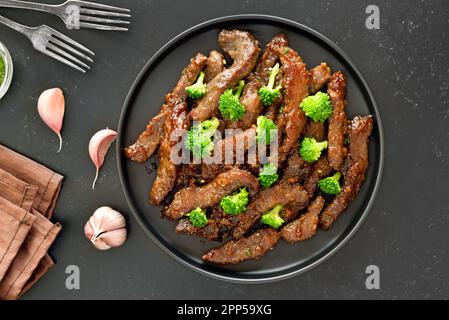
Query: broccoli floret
<point x="198" y="89"/>
<point x="330" y="185"/>
<point x="268" y="175"/>
<point x="310" y="149"/>
<point x="267" y="93"/>
<point x="235" y="204"/>
<point x="199" y="138"/>
<point x="317" y="107"/>
<point x="230" y="106"/>
<point x="272" y="217"/>
<point x="264" y="126"/>
<point x="198" y="217"/>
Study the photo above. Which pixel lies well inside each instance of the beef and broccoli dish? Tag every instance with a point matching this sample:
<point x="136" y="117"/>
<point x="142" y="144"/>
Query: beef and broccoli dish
<point x="317" y="159"/>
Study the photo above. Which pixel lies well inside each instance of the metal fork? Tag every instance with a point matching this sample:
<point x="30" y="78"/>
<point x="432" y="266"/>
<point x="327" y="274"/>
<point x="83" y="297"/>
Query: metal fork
<point x="54" y="44"/>
<point x="91" y="15"/>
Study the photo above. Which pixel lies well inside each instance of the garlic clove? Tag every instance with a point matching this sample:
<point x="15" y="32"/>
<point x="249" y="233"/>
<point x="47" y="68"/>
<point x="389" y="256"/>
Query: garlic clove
<point x="106" y="228"/>
<point x="51" y="108"/>
<point x="108" y="219"/>
<point x="89" y="230"/>
<point x="98" y="147"/>
<point x="101" y="245"/>
<point x="113" y="238"/>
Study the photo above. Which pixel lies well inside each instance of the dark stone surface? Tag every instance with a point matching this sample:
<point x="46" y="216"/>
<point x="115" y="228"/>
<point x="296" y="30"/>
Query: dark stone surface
<point x="406" y="234"/>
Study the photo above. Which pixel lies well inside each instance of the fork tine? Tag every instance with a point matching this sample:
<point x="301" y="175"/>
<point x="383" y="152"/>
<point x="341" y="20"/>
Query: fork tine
<point x="69" y="48"/>
<point x="104" y="13"/>
<point x="61" y="59"/>
<point x="70" y="41"/>
<point x="101" y="27"/>
<point x="66" y="55"/>
<point x="101" y="6"/>
<point x="102" y="20"/>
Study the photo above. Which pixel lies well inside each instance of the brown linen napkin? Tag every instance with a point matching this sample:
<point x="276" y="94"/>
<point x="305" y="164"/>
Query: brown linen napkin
<point x="44" y="265"/>
<point x="29" y="171"/>
<point x="15" y="224"/>
<point x="23" y="174"/>
<point x="17" y="191"/>
<point x="40" y="237"/>
<point x="23" y="195"/>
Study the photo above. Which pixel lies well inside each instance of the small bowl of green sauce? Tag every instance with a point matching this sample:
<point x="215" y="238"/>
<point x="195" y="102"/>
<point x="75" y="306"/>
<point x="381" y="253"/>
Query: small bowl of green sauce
<point x="6" y="70"/>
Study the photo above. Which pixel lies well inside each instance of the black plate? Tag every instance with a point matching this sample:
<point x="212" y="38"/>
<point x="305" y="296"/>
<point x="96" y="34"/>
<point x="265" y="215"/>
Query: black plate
<point x="144" y="100"/>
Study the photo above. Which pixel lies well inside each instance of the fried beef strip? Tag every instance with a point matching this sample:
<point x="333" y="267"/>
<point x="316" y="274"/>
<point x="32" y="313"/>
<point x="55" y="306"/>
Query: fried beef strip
<point x="296" y="169"/>
<point x="281" y="193"/>
<point x="291" y="211"/>
<point x="336" y="88"/>
<point x="215" y="65"/>
<point x="210" y="194"/>
<point x="250" y="96"/>
<point x="316" y="130"/>
<point x="263" y="68"/>
<point x="305" y="227"/>
<point x="270" y="57"/>
<point x="319" y="76"/>
<point x="187" y="174"/>
<point x="208" y="172"/>
<point x="253" y="106"/>
<point x="273" y="109"/>
<point x="320" y="170"/>
<point x="244" y="50"/>
<point x="254" y="246"/>
<point x="353" y="179"/>
<point x="360" y="129"/>
<point x="199" y="174"/>
<point x="177" y="119"/>
<point x="237" y="144"/>
<point x="296" y="84"/>
<point x="210" y="232"/>
<point x="218" y="228"/>
<point x="150" y="139"/>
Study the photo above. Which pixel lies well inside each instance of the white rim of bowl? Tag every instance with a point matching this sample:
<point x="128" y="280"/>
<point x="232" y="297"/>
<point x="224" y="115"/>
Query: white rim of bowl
<point x="4" y="53"/>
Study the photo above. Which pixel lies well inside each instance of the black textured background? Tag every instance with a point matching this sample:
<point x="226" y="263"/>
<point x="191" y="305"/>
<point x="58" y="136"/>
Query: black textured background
<point x="406" y="234"/>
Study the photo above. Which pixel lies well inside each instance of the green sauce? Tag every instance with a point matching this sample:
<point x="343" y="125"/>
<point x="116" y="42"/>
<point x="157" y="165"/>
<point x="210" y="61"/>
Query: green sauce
<point x="2" y="70"/>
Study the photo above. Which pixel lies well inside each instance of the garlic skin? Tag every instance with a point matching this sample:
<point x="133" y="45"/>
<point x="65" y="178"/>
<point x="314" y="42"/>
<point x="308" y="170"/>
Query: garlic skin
<point x="106" y="228"/>
<point x="98" y="147"/>
<point x="51" y="108"/>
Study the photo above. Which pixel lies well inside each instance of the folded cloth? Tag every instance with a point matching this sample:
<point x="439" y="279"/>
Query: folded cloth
<point x="18" y="192"/>
<point x="22" y="195"/>
<point x="15" y="224"/>
<point x="41" y="269"/>
<point x="40" y="237"/>
<point x="28" y="185"/>
<point x="33" y="173"/>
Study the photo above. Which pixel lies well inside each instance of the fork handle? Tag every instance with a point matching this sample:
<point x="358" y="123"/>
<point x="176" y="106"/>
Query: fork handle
<point x="26" y="5"/>
<point x="16" y="26"/>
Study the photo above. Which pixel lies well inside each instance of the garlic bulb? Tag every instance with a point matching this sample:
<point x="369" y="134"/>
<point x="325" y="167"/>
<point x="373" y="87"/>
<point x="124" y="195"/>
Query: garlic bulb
<point x="106" y="228"/>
